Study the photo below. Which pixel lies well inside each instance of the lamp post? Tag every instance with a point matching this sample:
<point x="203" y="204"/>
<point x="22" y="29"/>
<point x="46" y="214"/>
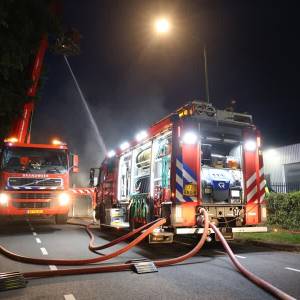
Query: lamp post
<point x="162" y="26"/>
<point x="206" y="74"/>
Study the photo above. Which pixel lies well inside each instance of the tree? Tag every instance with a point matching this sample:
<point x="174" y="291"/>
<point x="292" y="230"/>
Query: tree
<point x="22" y="24"/>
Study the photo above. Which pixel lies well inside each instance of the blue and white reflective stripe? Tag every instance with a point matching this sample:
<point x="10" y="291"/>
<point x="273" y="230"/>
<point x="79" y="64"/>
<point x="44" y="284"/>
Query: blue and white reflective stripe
<point x="178" y="167"/>
<point x="189" y="174"/>
<point x="184" y="175"/>
<point x="179" y="181"/>
<point x="179" y="197"/>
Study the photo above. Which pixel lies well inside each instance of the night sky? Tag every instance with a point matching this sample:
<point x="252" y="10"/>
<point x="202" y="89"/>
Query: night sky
<point x="131" y="77"/>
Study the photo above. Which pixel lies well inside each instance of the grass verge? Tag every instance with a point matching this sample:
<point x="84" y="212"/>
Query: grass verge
<point x="283" y="237"/>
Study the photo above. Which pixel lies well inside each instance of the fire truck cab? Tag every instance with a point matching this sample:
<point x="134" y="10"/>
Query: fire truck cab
<point x="34" y="180"/>
<point x="196" y="157"/>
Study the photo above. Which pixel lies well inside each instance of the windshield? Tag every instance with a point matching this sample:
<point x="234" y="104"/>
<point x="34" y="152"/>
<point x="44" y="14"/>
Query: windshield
<point x="34" y="160"/>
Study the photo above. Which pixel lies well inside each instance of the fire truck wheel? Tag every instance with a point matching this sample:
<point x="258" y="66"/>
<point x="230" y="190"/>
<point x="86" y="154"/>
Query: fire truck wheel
<point x="61" y="219"/>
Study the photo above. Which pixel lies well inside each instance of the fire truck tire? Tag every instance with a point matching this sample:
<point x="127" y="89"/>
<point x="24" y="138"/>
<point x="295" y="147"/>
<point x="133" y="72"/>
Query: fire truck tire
<point x="61" y="219"/>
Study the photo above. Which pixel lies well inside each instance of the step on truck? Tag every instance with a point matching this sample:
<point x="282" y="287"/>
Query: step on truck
<point x="196" y="157"/>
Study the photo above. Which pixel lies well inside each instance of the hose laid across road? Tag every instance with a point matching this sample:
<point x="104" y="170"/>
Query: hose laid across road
<point x="77" y="262"/>
<point x="255" y="279"/>
<point x="128" y="266"/>
<point x="115" y="267"/>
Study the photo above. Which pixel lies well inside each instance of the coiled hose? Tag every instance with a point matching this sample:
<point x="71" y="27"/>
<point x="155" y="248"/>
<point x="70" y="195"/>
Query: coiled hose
<point x="127" y="266"/>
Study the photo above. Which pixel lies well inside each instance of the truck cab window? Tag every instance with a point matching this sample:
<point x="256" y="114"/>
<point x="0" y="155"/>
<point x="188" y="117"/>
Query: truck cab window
<point x="221" y="172"/>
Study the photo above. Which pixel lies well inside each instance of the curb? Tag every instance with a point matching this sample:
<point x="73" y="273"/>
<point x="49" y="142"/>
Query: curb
<point x="282" y="247"/>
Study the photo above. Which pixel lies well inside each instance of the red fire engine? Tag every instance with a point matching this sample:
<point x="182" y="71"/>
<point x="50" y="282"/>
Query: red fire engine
<point x="196" y="157"/>
<point x="34" y="178"/>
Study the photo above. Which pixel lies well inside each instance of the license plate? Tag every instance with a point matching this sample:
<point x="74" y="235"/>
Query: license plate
<point x="34" y="211"/>
<point x="190" y="190"/>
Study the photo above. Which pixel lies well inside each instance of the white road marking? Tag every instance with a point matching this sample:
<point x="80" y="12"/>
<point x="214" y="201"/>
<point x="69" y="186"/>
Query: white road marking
<point x="292" y="269"/>
<point x="38" y="240"/>
<point x="44" y="251"/>
<point x="52" y="267"/>
<point x="69" y="297"/>
<point x="240" y="256"/>
<point x="34" y="233"/>
<point x="222" y="252"/>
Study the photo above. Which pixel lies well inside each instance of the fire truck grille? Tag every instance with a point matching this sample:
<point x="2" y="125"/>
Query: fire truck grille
<point x="31" y="204"/>
<point x="31" y="182"/>
<point x="33" y="195"/>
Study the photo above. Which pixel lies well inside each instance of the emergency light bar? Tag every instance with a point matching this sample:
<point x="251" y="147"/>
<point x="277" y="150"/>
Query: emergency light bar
<point x="11" y="140"/>
<point x="58" y="142"/>
<point x="141" y="135"/>
<point x="111" y="153"/>
<point x="124" y="146"/>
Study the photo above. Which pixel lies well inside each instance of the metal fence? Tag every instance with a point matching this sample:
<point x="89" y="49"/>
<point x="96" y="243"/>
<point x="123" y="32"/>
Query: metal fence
<point x="82" y="206"/>
<point x="284" y="187"/>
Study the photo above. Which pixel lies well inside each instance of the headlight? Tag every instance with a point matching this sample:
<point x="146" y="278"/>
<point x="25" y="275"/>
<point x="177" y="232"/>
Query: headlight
<point x="64" y="199"/>
<point x="4" y="199"/>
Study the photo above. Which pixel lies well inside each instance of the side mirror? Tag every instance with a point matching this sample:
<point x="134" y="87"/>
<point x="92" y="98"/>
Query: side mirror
<point x="75" y="163"/>
<point x="92" y="176"/>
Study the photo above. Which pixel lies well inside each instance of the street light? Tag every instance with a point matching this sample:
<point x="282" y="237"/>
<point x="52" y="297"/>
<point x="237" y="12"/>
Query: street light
<point x="162" y="26"/>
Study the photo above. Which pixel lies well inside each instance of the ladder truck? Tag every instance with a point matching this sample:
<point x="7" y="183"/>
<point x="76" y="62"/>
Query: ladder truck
<point x="35" y="178"/>
<point x="196" y="157"/>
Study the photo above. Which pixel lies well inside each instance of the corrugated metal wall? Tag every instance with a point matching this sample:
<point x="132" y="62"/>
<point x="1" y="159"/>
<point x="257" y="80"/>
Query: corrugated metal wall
<point x="275" y="159"/>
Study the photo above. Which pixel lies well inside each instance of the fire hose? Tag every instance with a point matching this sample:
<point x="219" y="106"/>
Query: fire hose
<point x="76" y="262"/>
<point x="148" y="228"/>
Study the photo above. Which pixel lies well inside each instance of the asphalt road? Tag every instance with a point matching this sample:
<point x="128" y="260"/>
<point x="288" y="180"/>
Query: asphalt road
<point x="209" y="275"/>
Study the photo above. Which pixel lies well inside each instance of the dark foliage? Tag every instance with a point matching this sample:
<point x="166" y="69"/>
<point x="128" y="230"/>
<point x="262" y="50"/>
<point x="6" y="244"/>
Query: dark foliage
<point x="284" y="210"/>
<point x="22" y="24"/>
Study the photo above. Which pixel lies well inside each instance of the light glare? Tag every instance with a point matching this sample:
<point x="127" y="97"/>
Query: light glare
<point x="141" y="135"/>
<point x="162" y="25"/>
<point x="250" y="145"/>
<point x="124" y="146"/>
<point x="11" y="140"/>
<point x="190" y="138"/>
<point x="64" y="199"/>
<point x="3" y="199"/>
<point x="56" y="142"/>
<point x="272" y="155"/>
<point x="111" y="153"/>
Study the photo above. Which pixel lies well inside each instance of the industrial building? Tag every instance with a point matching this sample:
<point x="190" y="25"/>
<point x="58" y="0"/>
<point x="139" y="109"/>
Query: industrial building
<point x="282" y="168"/>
